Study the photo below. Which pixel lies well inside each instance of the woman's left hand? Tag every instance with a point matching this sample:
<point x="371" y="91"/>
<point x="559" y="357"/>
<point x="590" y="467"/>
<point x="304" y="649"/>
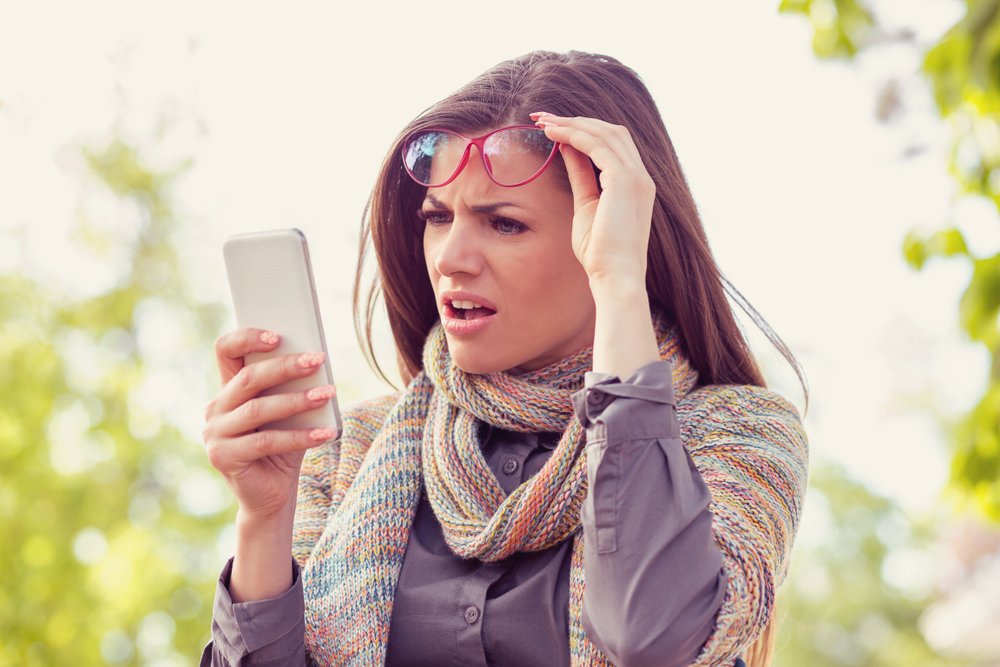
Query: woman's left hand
<point x="610" y="227"/>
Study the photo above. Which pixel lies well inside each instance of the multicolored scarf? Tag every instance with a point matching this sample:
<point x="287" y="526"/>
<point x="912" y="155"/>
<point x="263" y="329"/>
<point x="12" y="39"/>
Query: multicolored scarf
<point x="430" y="437"/>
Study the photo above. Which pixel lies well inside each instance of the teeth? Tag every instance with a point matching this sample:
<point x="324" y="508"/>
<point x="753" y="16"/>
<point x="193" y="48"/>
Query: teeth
<point x="465" y="304"/>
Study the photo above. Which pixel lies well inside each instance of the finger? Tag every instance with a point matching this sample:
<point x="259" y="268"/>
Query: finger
<point x="266" y="409"/>
<point x="614" y="173"/>
<point x="616" y="137"/>
<point x="270" y="442"/>
<point x="230" y="454"/>
<point x="255" y="378"/>
<point x="602" y="155"/>
<point x="582" y="179"/>
<point x="230" y="348"/>
<point x="595" y="126"/>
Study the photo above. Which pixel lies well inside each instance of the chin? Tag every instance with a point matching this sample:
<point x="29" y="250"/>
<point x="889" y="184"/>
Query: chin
<point x="469" y="361"/>
<point x="477" y="366"/>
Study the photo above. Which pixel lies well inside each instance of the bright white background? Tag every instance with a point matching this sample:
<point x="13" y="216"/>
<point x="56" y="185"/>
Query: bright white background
<point x="287" y="112"/>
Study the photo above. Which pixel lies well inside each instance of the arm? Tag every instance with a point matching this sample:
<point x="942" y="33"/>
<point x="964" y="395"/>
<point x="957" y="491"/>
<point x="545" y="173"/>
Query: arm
<point x="749" y="445"/>
<point x="682" y="507"/>
<point x="654" y="573"/>
<point x="664" y="511"/>
<point x="271" y="631"/>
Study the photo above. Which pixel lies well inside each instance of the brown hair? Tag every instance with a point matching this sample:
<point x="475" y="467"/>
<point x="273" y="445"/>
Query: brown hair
<point x="682" y="276"/>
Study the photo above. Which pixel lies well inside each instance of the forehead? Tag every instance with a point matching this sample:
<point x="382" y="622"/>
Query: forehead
<point x="474" y="189"/>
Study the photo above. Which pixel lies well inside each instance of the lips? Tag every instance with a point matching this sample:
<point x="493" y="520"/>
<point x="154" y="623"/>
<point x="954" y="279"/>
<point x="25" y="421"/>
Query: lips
<point x="460" y="321"/>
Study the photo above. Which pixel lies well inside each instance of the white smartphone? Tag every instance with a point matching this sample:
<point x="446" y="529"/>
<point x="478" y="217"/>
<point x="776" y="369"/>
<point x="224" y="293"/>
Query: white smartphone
<point x="271" y="281"/>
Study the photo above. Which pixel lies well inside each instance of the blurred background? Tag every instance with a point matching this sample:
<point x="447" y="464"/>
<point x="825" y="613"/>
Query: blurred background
<point x="845" y="156"/>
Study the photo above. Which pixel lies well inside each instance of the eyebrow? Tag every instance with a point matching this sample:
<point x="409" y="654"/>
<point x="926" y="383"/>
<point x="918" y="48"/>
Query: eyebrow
<point x="482" y="208"/>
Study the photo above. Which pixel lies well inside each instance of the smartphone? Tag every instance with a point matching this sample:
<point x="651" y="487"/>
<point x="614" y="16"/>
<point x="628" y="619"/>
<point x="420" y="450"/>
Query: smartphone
<point x="272" y="286"/>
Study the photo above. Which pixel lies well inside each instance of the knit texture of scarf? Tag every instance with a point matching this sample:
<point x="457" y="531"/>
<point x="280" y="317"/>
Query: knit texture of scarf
<point x="352" y="547"/>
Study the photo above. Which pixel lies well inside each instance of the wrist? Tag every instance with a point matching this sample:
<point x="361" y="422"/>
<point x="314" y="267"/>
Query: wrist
<point x="619" y="291"/>
<point x="262" y="565"/>
<point x="624" y="335"/>
<point x="269" y="526"/>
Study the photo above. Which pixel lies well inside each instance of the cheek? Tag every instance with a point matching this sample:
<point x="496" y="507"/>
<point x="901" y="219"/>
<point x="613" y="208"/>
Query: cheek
<point x="548" y="281"/>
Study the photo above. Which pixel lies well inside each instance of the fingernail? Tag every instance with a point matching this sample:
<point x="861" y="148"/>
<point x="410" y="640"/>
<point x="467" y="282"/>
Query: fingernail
<point x="321" y="393"/>
<point x="542" y="124"/>
<point x="268" y="337"/>
<point x="321" y="434"/>
<point x="311" y="359"/>
<point x="537" y="113"/>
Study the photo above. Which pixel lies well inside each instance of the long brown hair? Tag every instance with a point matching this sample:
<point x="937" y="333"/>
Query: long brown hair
<point x="682" y="276"/>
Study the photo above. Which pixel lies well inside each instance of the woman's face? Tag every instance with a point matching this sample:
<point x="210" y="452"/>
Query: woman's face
<point x="508" y="250"/>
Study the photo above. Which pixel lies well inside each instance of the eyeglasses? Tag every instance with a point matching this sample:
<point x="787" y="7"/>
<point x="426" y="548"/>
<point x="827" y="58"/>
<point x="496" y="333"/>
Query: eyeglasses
<point x="513" y="155"/>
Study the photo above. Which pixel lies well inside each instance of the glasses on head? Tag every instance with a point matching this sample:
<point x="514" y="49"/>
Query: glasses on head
<point x="513" y="155"/>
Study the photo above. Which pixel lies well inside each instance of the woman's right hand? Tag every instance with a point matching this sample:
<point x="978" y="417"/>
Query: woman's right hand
<point x="261" y="467"/>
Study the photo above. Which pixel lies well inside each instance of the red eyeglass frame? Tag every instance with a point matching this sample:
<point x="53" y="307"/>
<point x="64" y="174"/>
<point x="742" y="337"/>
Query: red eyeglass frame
<point x="479" y="143"/>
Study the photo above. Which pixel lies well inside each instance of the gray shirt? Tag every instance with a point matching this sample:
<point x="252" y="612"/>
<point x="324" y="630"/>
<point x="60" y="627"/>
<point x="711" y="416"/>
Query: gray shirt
<point x="653" y="570"/>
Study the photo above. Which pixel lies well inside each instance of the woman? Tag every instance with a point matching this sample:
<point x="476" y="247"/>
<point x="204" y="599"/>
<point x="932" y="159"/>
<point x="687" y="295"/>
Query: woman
<point x="584" y="468"/>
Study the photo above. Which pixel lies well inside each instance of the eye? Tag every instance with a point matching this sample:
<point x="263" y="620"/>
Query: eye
<point x="434" y="217"/>
<point x="507" y="226"/>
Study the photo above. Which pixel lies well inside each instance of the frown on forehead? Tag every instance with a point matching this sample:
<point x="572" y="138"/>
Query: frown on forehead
<point x="475" y="208"/>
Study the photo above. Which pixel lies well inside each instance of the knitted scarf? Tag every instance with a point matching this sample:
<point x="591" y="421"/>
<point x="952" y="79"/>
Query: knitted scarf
<point x="430" y="437"/>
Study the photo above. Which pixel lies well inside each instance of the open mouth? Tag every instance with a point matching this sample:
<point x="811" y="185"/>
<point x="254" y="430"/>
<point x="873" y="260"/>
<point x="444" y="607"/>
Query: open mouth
<point x="466" y="310"/>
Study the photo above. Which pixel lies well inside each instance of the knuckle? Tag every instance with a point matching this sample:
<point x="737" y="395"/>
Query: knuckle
<point x="246" y="377"/>
<point x="220" y="342"/>
<point x="265" y="442"/>
<point x="210" y="409"/>
<point x="252" y="410"/>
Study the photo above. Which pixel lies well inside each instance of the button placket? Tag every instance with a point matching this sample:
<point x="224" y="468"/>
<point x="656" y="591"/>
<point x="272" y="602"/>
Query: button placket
<point x="472" y="606"/>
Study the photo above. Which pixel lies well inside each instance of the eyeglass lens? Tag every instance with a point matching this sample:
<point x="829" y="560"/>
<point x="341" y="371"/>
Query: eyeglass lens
<point x="512" y="156"/>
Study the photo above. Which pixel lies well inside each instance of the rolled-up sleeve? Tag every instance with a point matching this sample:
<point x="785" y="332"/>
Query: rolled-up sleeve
<point x="654" y="574"/>
<point x="263" y="632"/>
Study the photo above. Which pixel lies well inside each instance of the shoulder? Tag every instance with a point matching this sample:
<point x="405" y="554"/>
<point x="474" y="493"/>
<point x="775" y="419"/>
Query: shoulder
<point x="743" y="421"/>
<point x="736" y="401"/>
<point x="736" y="404"/>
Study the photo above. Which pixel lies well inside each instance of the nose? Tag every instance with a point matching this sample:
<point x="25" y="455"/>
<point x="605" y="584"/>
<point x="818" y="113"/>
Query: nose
<point x="458" y="248"/>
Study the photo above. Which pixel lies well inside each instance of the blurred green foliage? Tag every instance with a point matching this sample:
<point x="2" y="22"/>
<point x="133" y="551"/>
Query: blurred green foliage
<point x="842" y="604"/>
<point x="840" y="27"/>
<point x="855" y="596"/>
<point x="106" y="558"/>
<point x="963" y="71"/>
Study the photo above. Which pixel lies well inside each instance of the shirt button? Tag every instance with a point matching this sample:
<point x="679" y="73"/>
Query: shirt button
<point x="510" y="466"/>
<point x="471" y="614"/>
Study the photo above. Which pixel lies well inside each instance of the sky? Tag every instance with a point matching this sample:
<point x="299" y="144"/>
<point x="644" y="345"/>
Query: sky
<point x="288" y="111"/>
